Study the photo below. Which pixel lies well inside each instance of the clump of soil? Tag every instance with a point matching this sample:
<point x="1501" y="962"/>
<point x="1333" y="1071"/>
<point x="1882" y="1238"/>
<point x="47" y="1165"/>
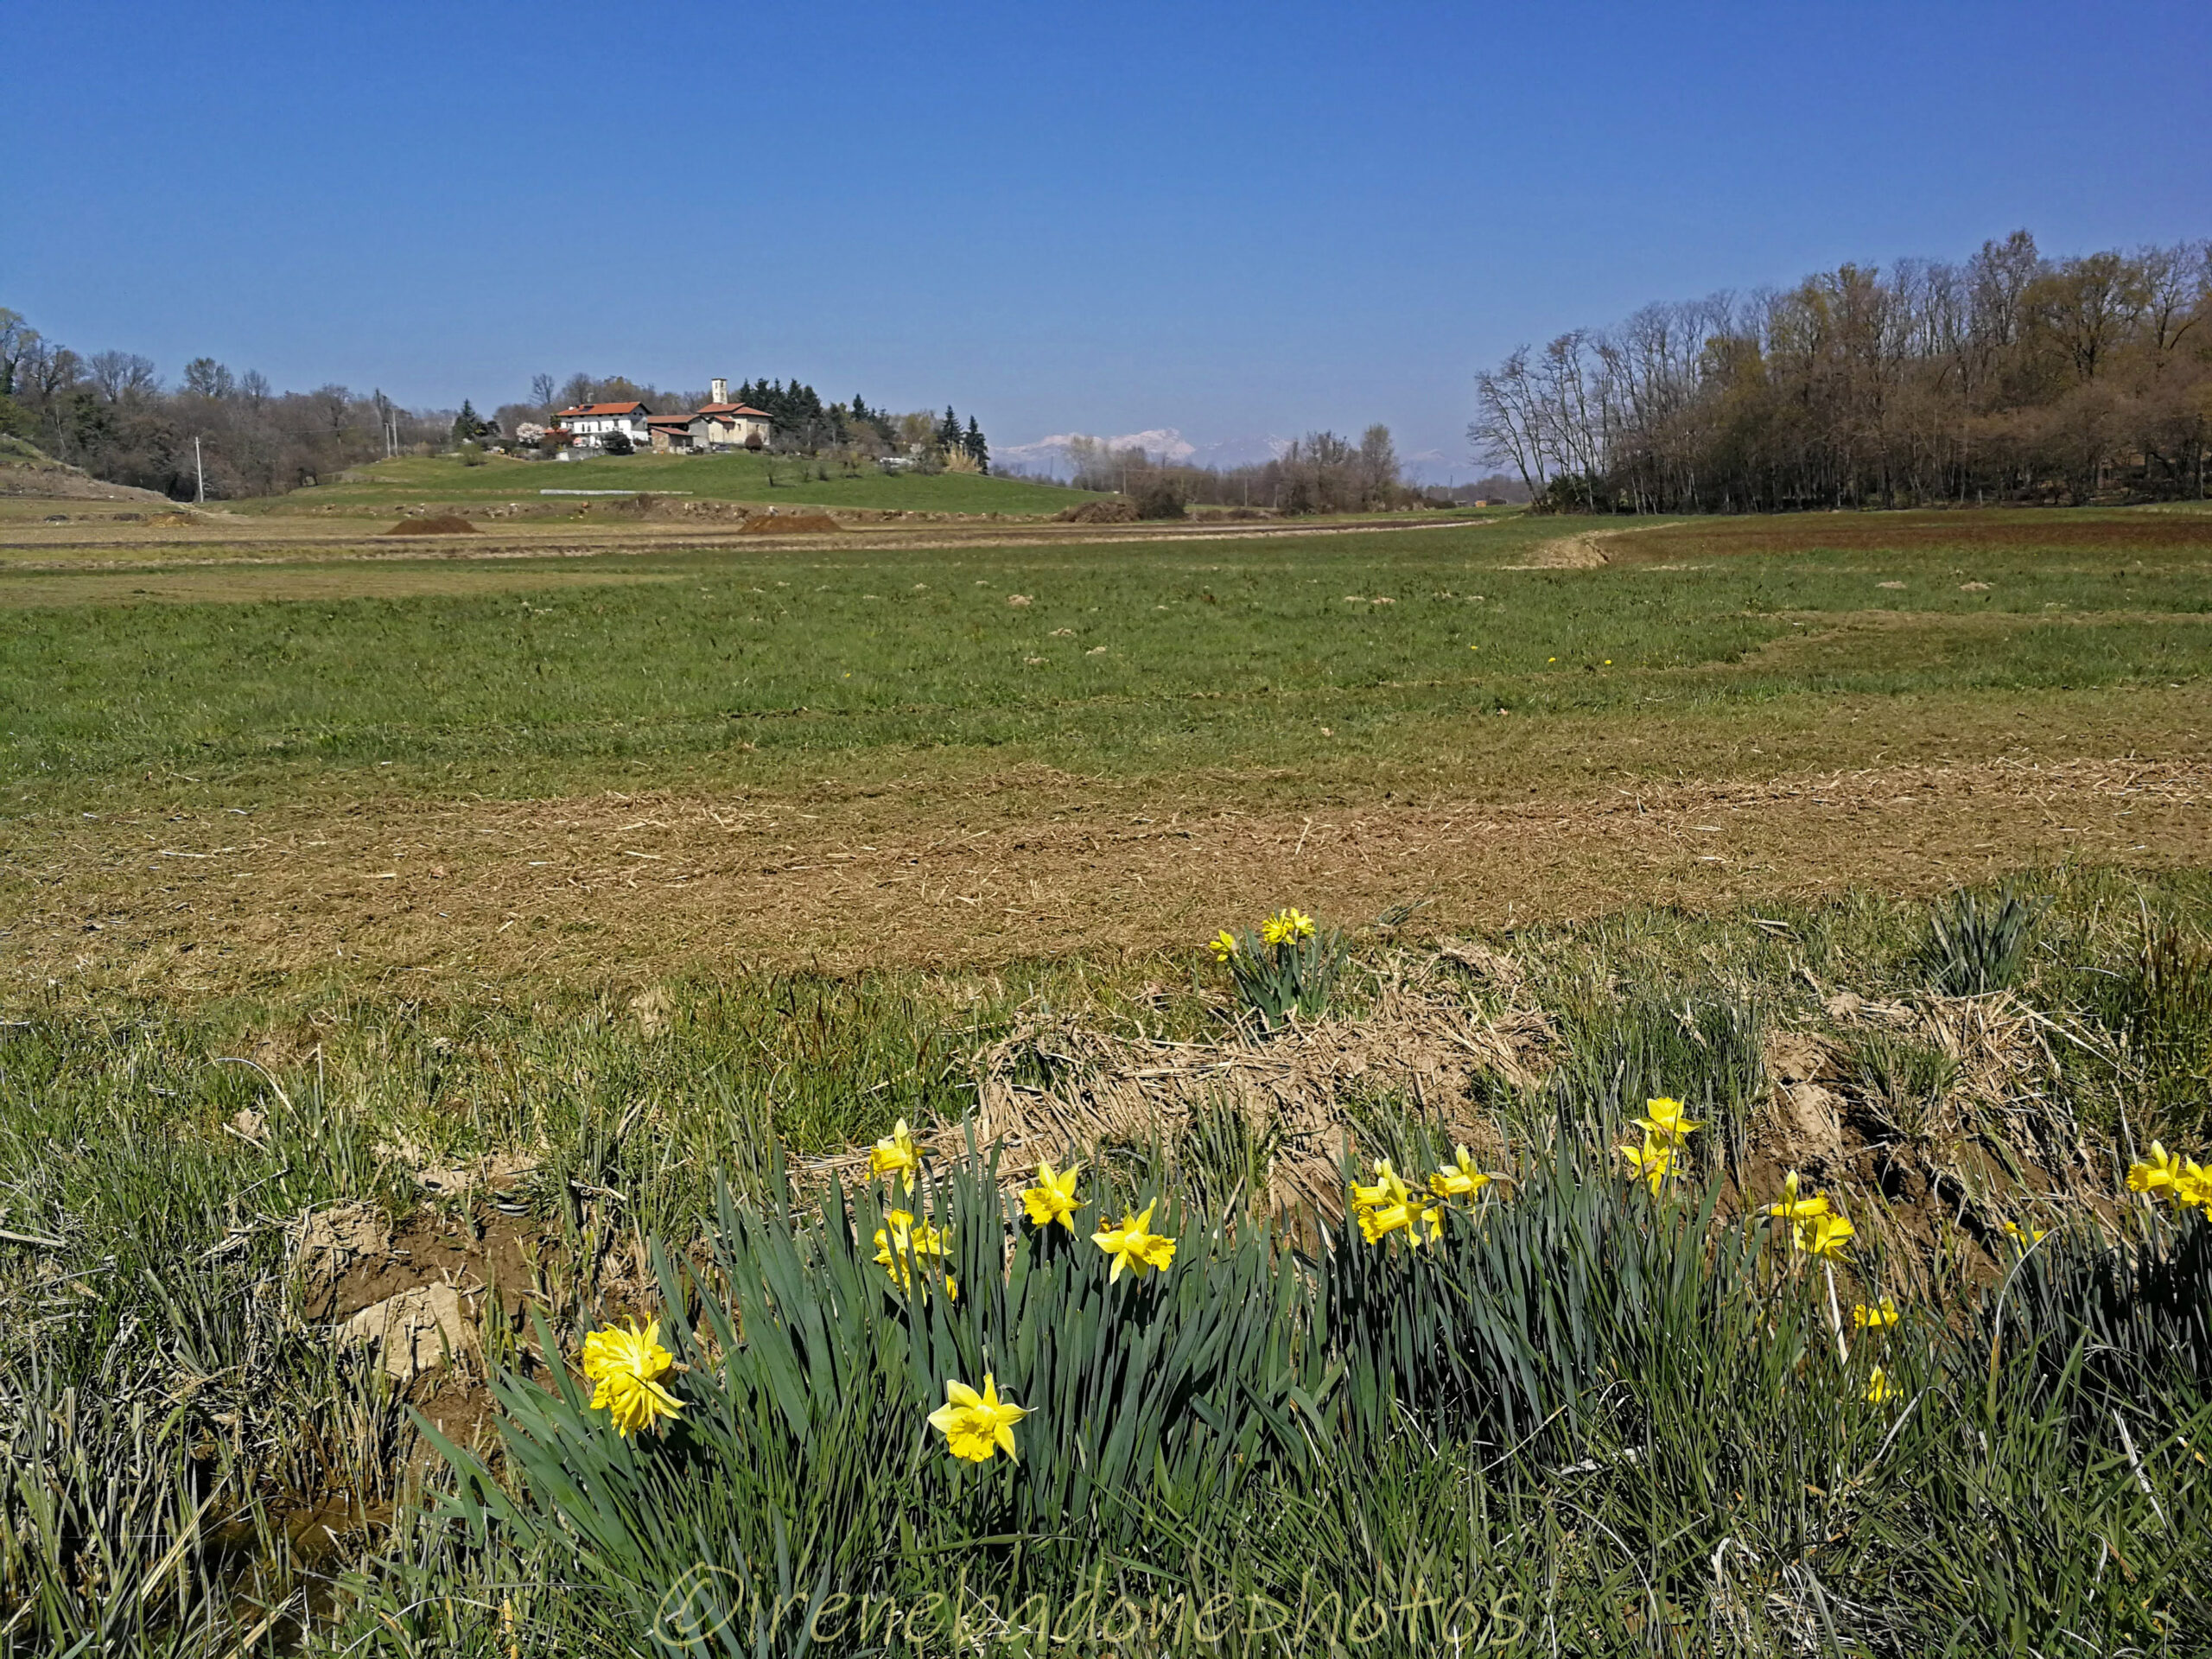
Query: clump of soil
<point x="443" y="524"/>
<point x="171" y="520"/>
<point x="786" y="524"/>
<point x="1423" y="1040"/>
<point x="1116" y="512"/>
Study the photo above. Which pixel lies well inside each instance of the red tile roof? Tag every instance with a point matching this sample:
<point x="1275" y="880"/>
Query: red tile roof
<point x="732" y="409"/>
<point x="600" y="409"/>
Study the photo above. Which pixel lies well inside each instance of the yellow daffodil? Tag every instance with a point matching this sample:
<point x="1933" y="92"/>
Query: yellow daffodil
<point x="1667" y="1120"/>
<point x="2026" y="1237"/>
<point x="2156" y="1174"/>
<point x="1222" y="944"/>
<point x="1389" y="1188"/>
<point x="1824" y="1236"/>
<point x="899" y="1244"/>
<point x="1459" y="1178"/>
<point x="1135" y="1245"/>
<point x="1423" y="1224"/>
<point x="1653" y="1161"/>
<point x="1873" y="1318"/>
<point x="896" y="1152"/>
<point x="1287" y="927"/>
<point x="1795" y="1209"/>
<point x="627" y="1366"/>
<point x="977" y="1426"/>
<point x="1878" y="1387"/>
<point x="1053" y="1197"/>
<point x="2194" y="1186"/>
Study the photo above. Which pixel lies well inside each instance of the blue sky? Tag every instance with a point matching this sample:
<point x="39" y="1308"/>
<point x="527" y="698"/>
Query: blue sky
<point x="1232" y="220"/>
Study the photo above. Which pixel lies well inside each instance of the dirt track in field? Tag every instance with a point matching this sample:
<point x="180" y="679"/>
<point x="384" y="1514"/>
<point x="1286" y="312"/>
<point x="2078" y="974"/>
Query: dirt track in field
<point x="625" y="889"/>
<point x="239" y="541"/>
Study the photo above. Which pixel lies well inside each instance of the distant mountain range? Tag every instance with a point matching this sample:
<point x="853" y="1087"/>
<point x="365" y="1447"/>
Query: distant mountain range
<point x="1050" y="457"/>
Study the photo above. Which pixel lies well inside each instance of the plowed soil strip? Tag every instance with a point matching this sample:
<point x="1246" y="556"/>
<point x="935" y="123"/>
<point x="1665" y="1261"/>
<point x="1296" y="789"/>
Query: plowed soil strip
<point x="627" y="888"/>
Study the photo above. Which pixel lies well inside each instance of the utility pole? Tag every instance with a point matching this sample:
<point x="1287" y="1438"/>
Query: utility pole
<point x="200" y="475"/>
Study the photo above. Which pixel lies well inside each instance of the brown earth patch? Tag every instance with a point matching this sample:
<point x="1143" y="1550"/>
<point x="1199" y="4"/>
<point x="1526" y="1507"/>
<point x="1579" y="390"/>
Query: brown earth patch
<point x="1997" y="532"/>
<point x="226" y="584"/>
<point x="789" y="524"/>
<point x="443" y="524"/>
<point x="628" y="888"/>
<point x="1586" y="551"/>
<point x="54" y="480"/>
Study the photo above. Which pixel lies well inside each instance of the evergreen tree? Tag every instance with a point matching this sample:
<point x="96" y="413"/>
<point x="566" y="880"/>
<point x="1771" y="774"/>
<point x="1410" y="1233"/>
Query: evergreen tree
<point x="467" y="427"/>
<point x="978" y="451"/>
<point x="948" y="430"/>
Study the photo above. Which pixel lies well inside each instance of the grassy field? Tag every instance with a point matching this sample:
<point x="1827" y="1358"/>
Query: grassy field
<point x="391" y="486"/>
<point x="545" y="925"/>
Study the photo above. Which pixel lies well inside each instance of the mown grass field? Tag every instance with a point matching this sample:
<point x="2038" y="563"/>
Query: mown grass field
<point x="508" y="912"/>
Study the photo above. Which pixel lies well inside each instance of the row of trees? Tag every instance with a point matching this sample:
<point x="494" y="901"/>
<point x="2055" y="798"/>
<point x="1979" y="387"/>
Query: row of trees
<point x="110" y="414"/>
<point x="2011" y="378"/>
<point x="1319" y="473"/>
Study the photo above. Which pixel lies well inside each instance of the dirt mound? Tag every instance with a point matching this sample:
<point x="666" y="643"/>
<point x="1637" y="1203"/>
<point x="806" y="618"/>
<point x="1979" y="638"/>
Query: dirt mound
<point x="787" y="524"/>
<point x="1423" y="1040"/>
<point x="443" y="524"/>
<point x="1116" y="512"/>
<point x="171" y="520"/>
<point x="31" y="473"/>
<point x="1932" y="1120"/>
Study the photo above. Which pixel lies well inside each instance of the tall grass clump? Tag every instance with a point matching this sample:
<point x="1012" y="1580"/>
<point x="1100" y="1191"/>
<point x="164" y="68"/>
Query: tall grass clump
<point x="1977" y="943"/>
<point x="2162" y="1005"/>
<point x="1705" y="1046"/>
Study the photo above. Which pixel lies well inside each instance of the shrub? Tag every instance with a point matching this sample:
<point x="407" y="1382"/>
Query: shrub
<point x="1161" y="498"/>
<point x="616" y="443"/>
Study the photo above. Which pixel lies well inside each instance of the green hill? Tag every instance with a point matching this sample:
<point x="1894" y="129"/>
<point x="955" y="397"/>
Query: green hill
<point x="782" y="481"/>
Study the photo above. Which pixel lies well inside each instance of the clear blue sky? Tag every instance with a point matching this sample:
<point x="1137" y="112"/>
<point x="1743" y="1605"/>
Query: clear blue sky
<point x="1231" y="219"/>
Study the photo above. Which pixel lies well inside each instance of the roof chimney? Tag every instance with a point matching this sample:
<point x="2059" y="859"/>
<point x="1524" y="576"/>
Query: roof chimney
<point x="721" y="390"/>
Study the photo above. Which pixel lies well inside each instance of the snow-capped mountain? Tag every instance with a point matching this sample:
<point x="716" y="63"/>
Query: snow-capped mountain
<point x="1050" y="455"/>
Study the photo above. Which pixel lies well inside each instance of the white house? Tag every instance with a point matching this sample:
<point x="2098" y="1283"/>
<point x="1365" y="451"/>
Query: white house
<point x="588" y="424"/>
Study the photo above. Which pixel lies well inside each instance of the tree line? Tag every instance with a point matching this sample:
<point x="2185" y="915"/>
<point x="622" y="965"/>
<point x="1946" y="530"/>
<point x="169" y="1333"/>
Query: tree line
<point x="2012" y="378"/>
<point x="110" y="414"/>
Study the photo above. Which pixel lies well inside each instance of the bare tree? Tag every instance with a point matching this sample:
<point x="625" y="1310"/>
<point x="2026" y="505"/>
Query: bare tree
<point x="17" y="341"/>
<point x="1379" y="480"/>
<point x="204" y="378"/>
<point x="118" y="375"/>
